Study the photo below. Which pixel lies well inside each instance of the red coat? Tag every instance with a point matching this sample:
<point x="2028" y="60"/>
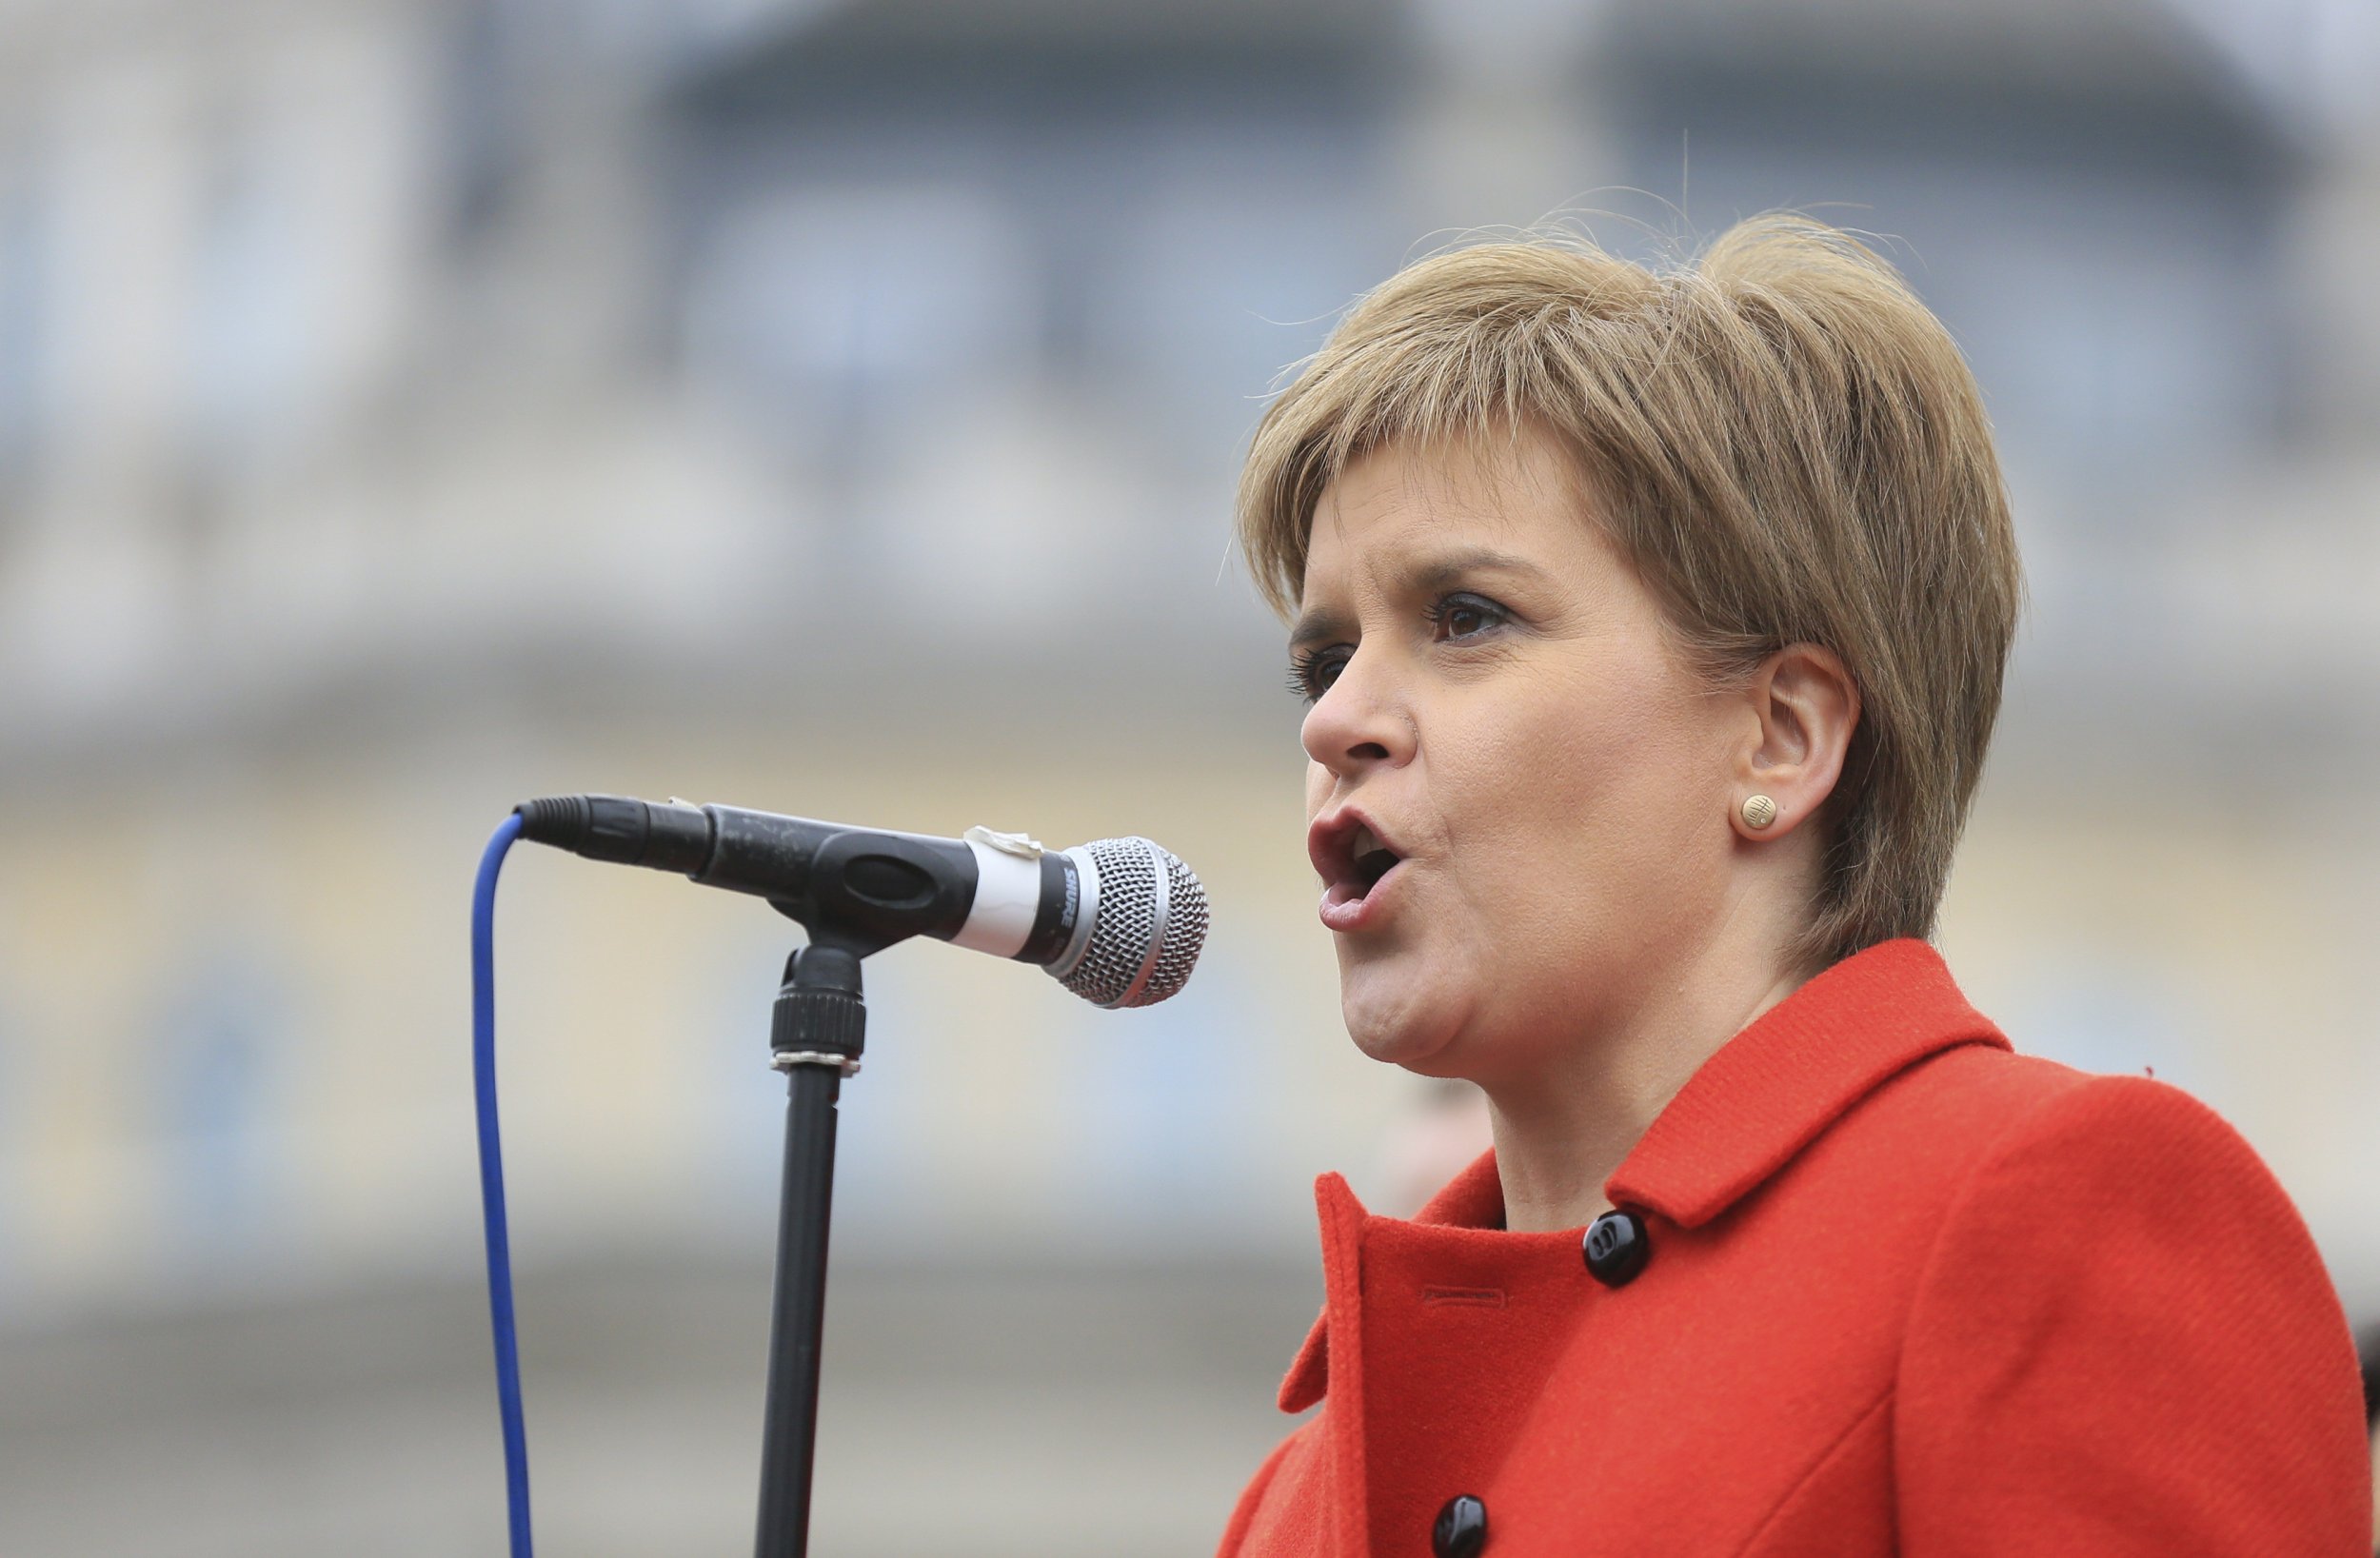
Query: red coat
<point x="1907" y="1292"/>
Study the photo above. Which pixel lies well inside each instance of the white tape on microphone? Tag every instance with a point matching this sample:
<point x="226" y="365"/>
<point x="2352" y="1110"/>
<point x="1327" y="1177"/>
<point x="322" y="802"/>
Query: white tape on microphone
<point x="1007" y="893"/>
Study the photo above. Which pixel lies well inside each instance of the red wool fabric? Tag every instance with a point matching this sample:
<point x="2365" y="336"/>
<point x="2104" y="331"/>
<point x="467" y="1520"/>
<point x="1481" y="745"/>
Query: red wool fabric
<point x="1909" y="1294"/>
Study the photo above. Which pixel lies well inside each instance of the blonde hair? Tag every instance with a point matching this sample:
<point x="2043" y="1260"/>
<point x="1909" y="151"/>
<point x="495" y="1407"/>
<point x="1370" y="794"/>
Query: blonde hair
<point x="1784" y="442"/>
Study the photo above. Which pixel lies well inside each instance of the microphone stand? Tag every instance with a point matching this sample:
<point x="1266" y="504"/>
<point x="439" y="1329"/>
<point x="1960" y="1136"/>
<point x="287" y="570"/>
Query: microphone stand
<point x="815" y="1033"/>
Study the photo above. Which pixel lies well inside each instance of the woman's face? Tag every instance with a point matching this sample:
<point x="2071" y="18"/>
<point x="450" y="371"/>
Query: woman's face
<point x="1495" y="700"/>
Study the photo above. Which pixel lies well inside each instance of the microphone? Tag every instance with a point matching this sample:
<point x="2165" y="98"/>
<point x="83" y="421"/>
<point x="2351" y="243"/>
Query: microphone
<point x="1118" y="921"/>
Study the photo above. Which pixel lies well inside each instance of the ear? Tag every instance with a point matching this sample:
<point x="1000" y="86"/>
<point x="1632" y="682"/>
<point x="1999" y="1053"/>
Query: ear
<point x="1804" y="706"/>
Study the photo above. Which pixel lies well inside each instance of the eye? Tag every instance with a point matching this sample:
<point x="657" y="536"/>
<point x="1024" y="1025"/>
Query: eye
<point x="1312" y="671"/>
<point x="1463" y="615"/>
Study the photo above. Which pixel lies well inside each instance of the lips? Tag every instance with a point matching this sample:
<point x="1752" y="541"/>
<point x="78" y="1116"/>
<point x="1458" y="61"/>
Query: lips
<point x="1353" y="856"/>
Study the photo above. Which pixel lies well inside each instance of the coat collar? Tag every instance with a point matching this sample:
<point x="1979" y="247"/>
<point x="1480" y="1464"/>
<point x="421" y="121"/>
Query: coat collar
<point x="1766" y="1094"/>
<point x="1802" y="1064"/>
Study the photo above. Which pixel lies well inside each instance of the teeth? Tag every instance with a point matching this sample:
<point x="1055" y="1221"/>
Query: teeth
<point x="1361" y="842"/>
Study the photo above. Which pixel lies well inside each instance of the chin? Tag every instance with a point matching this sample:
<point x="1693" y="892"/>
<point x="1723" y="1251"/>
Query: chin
<point x="1401" y="1022"/>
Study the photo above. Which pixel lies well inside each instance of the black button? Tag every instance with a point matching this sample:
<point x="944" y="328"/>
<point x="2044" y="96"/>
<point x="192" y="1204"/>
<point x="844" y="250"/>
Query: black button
<point x="1461" y="1528"/>
<point x="1617" y="1247"/>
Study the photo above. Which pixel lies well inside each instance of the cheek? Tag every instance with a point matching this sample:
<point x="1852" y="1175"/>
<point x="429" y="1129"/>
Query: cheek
<point x="1595" y="790"/>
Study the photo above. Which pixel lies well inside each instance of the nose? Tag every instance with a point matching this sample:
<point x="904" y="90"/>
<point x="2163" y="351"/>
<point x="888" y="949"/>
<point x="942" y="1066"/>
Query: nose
<point x="1353" y="725"/>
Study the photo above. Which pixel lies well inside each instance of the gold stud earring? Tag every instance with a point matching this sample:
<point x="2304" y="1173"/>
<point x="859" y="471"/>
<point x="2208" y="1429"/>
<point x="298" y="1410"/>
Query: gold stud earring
<point x="1758" y="813"/>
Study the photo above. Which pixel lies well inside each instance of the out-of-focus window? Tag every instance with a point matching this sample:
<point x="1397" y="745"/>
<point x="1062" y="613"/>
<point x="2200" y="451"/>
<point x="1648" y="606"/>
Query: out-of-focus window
<point x="220" y="1033"/>
<point x="2106" y="353"/>
<point x="860" y="301"/>
<point x="1226" y="274"/>
<point x="251" y="316"/>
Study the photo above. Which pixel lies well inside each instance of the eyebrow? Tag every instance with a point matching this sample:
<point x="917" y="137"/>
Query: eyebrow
<point x="1324" y="623"/>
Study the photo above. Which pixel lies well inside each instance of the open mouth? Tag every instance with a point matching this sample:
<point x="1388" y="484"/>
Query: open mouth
<point x="1351" y="858"/>
<point x="1371" y="859"/>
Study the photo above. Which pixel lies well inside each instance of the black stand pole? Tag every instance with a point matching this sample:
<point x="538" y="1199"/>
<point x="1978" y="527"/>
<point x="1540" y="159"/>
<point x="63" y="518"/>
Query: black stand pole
<point x="816" y="1035"/>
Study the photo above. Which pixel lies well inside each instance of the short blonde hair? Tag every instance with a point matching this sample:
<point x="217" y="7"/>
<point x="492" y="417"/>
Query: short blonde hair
<point x="1784" y="442"/>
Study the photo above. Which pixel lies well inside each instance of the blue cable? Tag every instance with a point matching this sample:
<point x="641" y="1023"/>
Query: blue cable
<point x="491" y="1183"/>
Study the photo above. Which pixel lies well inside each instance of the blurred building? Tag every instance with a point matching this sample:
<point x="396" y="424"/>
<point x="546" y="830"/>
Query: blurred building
<point x="407" y="408"/>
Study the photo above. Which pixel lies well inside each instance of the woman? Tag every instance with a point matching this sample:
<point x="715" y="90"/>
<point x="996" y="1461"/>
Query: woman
<point x="1653" y="628"/>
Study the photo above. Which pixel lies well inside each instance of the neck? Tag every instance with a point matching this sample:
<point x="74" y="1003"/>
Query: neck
<point x="1563" y="1130"/>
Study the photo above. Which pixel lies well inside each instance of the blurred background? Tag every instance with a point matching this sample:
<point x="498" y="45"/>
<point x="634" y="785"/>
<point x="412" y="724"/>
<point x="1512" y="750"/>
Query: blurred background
<point x="408" y="407"/>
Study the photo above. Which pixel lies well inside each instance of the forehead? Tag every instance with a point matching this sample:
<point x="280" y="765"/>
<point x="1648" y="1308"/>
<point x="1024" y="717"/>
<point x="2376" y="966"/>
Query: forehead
<point x="1407" y="508"/>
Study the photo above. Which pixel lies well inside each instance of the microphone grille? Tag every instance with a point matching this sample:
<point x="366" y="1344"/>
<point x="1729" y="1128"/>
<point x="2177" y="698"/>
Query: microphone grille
<point x="1147" y="927"/>
<point x="1185" y="930"/>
